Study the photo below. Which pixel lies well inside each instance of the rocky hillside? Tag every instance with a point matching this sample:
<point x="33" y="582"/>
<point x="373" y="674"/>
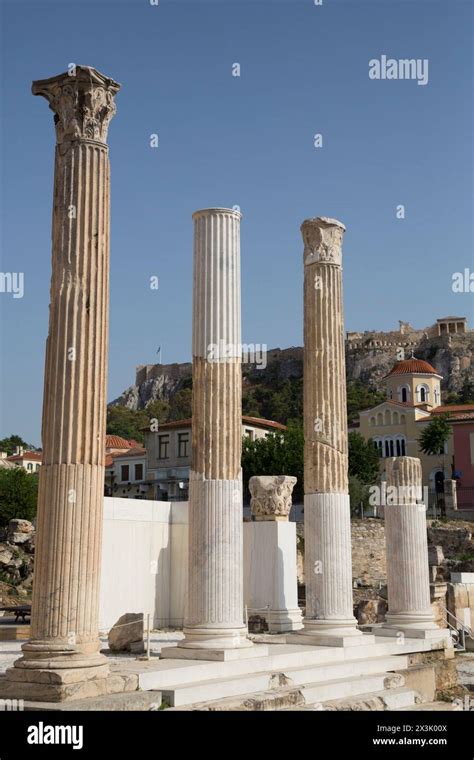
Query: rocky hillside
<point x="279" y="384"/>
<point x="17" y="545"/>
<point x="452" y="356"/>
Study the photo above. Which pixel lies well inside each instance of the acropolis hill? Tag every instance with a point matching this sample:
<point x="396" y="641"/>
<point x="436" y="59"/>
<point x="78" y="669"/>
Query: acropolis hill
<point x="448" y="345"/>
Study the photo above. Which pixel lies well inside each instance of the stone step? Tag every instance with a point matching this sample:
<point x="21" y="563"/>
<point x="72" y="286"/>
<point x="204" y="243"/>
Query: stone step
<point x="131" y="701"/>
<point x="162" y="674"/>
<point x="346" y="669"/>
<point x="399" y="698"/>
<point x="342" y="688"/>
<point x="433" y="706"/>
<point x="246" y="687"/>
<point x="204" y="690"/>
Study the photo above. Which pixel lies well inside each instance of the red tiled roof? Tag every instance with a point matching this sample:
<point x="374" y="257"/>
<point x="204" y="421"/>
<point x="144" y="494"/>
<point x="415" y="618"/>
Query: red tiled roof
<point x="453" y="408"/>
<point x="455" y="412"/>
<point x="405" y="404"/>
<point x="26" y="455"/>
<point x="255" y="421"/>
<point x="260" y="422"/>
<point x="116" y="442"/>
<point x="412" y="366"/>
<point x="462" y="418"/>
<point x="136" y="452"/>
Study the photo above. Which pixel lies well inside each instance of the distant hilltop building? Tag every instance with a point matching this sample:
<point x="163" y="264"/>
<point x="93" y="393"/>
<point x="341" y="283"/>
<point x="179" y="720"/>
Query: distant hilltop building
<point x="407" y="336"/>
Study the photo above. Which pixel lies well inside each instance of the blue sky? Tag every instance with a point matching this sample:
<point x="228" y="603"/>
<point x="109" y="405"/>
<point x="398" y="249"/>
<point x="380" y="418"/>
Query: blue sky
<point x="245" y="140"/>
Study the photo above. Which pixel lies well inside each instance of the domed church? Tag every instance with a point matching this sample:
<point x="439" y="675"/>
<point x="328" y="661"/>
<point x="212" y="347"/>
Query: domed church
<point x="413" y="389"/>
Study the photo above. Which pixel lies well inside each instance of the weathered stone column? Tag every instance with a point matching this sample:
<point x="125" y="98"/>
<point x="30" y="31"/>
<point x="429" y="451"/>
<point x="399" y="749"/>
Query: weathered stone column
<point x="328" y="571"/>
<point x="270" y="567"/>
<point x="450" y="495"/>
<point x="63" y="655"/>
<point x="408" y="581"/>
<point x="213" y="622"/>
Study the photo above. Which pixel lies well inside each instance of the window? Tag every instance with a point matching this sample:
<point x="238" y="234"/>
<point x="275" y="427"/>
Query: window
<point x="423" y="393"/>
<point x="37" y="467"/>
<point x="249" y="433"/>
<point x="392" y="449"/>
<point x="125" y="472"/>
<point x="29" y="466"/>
<point x="183" y="440"/>
<point x="404" y="395"/>
<point x="387" y="449"/>
<point x="163" y="444"/>
<point x="372" y="421"/>
<point x="138" y="472"/>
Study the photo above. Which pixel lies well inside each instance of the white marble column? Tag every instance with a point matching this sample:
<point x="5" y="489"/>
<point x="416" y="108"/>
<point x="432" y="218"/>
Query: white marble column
<point x="408" y="582"/>
<point x="213" y="624"/>
<point x="328" y="570"/>
<point x="62" y="659"/>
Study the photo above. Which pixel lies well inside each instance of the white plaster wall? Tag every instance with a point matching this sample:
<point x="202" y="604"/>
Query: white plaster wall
<point x="143" y="560"/>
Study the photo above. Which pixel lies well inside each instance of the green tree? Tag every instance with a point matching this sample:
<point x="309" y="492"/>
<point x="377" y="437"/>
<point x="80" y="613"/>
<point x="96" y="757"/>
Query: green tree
<point x="158" y="410"/>
<point x="433" y="439"/>
<point x="358" y="494"/>
<point x="250" y="405"/>
<point x="452" y="398"/>
<point x="126" y="423"/>
<point x="435" y="435"/>
<point x="9" y="444"/>
<point x="360" y="397"/>
<point x="280" y="453"/>
<point x="180" y="405"/>
<point x="18" y="495"/>
<point x="286" y="403"/>
<point x="467" y="393"/>
<point x="364" y="460"/>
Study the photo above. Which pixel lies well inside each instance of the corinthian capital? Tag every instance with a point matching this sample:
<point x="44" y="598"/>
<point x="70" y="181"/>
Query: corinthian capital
<point x="82" y="101"/>
<point x="271" y="496"/>
<point x="322" y="239"/>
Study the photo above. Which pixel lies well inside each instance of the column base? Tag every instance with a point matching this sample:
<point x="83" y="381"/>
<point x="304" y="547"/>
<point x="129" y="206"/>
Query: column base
<point x="415" y="626"/>
<point x="219" y="644"/>
<point x="219" y="655"/>
<point x="211" y="644"/>
<point x="59" y="684"/>
<point x="282" y="621"/>
<point x="52" y="671"/>
<point x="330" y="633"/>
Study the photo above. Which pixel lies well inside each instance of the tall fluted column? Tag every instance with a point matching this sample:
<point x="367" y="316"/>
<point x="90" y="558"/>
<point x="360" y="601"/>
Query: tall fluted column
<point x="64" y="622"/>
<point x="408" y="582"/>
<point x="328" y="571"/>
<point x="214" y="610"/>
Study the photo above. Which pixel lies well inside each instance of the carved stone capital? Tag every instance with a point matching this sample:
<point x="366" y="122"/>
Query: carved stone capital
<point x="322" y="239"/>
<point x="271" y="496"/>
<point x="82" y="101"/>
